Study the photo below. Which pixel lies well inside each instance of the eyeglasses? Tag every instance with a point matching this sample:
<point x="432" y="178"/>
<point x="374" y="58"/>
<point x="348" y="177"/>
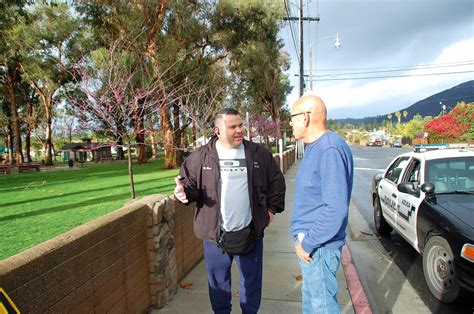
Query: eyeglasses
<point x="297" y="114"/>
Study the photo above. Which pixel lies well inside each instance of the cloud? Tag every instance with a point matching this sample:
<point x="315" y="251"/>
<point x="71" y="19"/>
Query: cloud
<point x="385" y="35"/>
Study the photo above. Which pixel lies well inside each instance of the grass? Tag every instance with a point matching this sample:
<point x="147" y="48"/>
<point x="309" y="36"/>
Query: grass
<point x="35" y="207"/>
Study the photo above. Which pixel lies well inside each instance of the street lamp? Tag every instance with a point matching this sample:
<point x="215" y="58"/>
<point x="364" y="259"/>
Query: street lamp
<point x="443" y="108"/>
<point x="337" y="45"/>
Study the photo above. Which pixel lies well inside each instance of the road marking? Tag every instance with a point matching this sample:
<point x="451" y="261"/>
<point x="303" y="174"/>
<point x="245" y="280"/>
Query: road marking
<point x="370" y="169"/>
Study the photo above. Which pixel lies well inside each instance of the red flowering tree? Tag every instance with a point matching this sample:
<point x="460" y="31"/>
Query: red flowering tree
<point x="115" y="95"/>
<point x="267" y="129"/>
<point x="453" y="127"/>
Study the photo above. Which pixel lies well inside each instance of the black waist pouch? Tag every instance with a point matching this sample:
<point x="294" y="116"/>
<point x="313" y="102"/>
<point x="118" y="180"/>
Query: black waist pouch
<point x="237" y="242"/>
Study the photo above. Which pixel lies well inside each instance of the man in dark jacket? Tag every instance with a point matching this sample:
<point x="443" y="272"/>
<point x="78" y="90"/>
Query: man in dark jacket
<point x="238" y="187"/>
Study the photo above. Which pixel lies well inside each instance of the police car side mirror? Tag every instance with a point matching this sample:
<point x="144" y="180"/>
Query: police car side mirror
<point x="409" y="188"/>
<point x="427" y="187"/>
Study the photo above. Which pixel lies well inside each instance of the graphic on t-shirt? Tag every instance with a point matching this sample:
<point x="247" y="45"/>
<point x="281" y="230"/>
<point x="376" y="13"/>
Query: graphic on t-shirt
<point x="232" y="165"/>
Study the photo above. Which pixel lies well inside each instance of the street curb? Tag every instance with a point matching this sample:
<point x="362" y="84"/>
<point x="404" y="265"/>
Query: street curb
<point x="356" y="291"/>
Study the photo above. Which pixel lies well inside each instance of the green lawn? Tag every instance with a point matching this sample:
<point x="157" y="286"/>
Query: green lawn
<point x="35" y="207"/>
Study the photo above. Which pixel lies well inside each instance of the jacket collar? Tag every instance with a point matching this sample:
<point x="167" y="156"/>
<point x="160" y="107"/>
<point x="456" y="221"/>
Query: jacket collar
<point x="211" y="146"/>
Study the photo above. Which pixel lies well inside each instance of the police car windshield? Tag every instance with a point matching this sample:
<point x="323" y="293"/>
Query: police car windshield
<point x="451" y="175"/>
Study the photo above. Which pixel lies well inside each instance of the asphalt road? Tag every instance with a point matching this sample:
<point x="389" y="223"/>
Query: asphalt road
<point x="390" y="269"/>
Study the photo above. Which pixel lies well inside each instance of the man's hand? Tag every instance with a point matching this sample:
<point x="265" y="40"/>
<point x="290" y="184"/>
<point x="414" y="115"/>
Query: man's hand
<point x="270" y="217"/>
<point x="179" y="191"/>
<point x="302" y="254"/>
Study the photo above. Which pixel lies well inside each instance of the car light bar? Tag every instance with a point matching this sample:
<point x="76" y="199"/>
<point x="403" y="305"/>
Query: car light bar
<point x="419" y="148"/>
<point x="427" y="147"/>
<point x="467" y="252"/>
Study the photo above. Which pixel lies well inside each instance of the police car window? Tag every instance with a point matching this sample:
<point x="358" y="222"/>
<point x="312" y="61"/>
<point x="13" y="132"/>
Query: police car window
<point x="395" y="170"/>
<point x="413" y="173"/>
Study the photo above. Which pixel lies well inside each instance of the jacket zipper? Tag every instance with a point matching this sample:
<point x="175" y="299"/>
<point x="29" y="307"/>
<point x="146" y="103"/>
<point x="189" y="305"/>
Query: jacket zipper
<point x="218" y="205"/>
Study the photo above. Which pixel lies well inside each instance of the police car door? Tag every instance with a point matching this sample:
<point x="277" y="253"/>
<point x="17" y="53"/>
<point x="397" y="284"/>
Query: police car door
<point x="387" y="189"/>
<point x="409" y="204"/>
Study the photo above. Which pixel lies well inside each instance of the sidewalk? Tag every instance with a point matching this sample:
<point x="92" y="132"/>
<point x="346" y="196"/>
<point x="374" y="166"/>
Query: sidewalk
<point x="281" y="289"/>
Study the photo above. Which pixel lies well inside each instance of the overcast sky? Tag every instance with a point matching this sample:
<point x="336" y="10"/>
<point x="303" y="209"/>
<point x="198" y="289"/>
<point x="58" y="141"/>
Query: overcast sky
<point x="420" y="36"/>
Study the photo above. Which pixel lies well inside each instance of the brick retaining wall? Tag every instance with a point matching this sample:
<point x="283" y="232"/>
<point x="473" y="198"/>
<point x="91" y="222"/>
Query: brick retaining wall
<point x="124" y="261"/>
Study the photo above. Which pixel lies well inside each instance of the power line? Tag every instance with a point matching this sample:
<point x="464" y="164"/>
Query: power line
<point x="399" y="67"/>
<point x="390" y="76"/>
<point x="291" y="29"/>
<point x="398" y="70"/>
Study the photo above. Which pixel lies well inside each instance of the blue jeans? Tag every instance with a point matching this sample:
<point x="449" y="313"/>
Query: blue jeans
<point x="218" y="267"/>
<point x="319" y="287"/>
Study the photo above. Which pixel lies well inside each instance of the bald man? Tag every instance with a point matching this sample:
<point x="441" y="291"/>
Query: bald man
<point x="321" y="204"/>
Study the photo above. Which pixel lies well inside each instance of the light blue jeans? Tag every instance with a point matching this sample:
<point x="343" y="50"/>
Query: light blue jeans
<point x="320" y="287"/>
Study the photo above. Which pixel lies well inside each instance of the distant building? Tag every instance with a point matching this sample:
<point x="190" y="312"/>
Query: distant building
<point x="86" y="151"/>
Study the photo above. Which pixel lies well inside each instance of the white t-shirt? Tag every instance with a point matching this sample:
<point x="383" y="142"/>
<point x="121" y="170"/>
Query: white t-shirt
<point x="236" y="213"/>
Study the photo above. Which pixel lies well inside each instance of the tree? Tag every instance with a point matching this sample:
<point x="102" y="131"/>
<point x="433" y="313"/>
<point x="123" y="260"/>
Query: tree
<point x="414" y="126"/>
<point x="46" y="45"/>
<point x="248" y="30"/>
<point x="202" y="102"/>
<point x="464" y="113"/>
<point x="117" y="90"/>
<point x="389" y="117"/>
<point x="12" y="14"/>
<point x="405" y="114"/>
<point x="265" y="128"/>
<point x="399" y="116"/>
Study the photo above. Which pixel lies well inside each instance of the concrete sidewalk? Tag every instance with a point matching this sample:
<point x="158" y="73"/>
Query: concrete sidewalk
<point x="281" y="288"/>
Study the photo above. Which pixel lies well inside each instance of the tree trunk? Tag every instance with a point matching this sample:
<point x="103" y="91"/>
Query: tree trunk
<point x="130" y="170"/>
<point x="14" y="115"/>
<point x="28" y="133"/>
<point x="194" y="136"/>
<point x="154" y="153"/>
<point x="10" y="146"/>
<point x="48" y="154"/>
<point x="168" y="141"/>
<point x="120" y="154"/>
<point x="28" y="144"/>
<point x="177" y="136"/>
<point x="48" y="107"/>
<point x="140" y="139"/>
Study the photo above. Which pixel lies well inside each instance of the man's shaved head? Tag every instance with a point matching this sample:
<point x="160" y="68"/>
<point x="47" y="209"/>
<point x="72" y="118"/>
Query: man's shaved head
<point x="314" y="104"/>
<point x="312" y="124"/>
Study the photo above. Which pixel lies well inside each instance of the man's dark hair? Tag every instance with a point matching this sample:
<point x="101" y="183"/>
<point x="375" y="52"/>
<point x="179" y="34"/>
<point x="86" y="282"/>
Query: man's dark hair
<point x="224" y="111"/>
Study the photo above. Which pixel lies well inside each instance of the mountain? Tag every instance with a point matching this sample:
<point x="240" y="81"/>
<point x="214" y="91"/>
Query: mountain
<point x="430" y="106"/>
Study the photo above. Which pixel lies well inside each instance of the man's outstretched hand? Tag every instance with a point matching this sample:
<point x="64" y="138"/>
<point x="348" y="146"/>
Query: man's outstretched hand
<point x="179" y="191"/>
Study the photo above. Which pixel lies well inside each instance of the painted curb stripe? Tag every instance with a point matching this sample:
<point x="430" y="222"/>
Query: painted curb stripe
<point x="359" y="299"/>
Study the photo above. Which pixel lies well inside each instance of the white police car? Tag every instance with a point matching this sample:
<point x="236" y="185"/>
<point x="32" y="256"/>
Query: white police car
<point x="427" y="196"/>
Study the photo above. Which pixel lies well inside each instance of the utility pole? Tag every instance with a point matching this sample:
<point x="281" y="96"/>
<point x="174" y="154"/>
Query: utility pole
<point x="301" y="19"/>
<point x="301" y="50"/>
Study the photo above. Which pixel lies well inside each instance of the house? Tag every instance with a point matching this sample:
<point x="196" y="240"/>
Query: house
<point x="86" y="151"/>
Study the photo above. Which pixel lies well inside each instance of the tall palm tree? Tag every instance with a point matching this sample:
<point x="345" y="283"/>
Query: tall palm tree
<point x="399" y="115"/>
<point x="405" y="114"/>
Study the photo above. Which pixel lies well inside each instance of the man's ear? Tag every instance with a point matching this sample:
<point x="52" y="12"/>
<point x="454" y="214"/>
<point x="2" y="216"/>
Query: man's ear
<point x="216" y="131"/>
<point x="306" y="119"/>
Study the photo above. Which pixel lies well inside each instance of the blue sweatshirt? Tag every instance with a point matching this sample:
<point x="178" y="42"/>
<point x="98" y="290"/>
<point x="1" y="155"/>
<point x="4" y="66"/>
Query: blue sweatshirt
<point x="323" y="192"/>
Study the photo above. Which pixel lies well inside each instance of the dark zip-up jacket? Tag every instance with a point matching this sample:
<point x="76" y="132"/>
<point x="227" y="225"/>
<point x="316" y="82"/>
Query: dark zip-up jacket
<point x="201" y="175"/>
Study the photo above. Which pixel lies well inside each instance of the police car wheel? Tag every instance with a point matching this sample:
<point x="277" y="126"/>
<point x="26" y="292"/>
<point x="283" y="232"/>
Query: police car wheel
<point x="381" y="225"/>
<point x="439" y="270"/>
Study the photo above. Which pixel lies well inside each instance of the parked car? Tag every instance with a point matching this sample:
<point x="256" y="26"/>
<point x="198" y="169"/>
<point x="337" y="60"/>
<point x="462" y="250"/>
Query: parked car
<point x="378" y="143"/>
<point x="428" y="198"/>
<point x="397" y="144"/>
<point x="370" y="143"/>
